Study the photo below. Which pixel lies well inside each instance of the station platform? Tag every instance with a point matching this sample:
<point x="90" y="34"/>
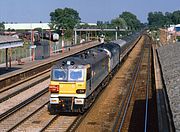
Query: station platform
<point x="27" y="63"/>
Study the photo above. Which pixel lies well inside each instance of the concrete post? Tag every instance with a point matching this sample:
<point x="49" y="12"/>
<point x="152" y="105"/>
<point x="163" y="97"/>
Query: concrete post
<point x="116" y="35"/>
<point x="6" y="58"/>
<point x="75" y="36"/>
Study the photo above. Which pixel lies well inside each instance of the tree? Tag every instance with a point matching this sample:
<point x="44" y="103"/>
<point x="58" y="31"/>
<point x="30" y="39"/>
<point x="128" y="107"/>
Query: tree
<point x="131" y="20"/>
<point x="156" y="19"/>
<point x="176" y="17"/>
<point x="168" y="18"/>
<point x="38" y="29"/>
<point x="100" y="24"/>
<point x="82" y="25"/>
<point x="119" y="22"/>
<point x="65" y="18"/>
<point x="2" y="27"/>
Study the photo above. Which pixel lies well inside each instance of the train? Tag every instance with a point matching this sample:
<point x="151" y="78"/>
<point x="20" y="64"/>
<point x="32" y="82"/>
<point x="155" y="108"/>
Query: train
<point x="77" y="80"/>
<point x="50" y="36"/>
<point x="37" y="36"/>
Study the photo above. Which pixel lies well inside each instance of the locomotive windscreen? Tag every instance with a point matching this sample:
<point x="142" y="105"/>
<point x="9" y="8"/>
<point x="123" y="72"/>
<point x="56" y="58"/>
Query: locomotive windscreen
<point x="71" y="75"/>
<point x="59" y="74"/>
<point x="76" y="75"/>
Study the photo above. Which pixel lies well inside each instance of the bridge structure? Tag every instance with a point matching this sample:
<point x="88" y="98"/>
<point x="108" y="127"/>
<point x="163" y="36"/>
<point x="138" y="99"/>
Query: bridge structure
<point x="90" y="30"/>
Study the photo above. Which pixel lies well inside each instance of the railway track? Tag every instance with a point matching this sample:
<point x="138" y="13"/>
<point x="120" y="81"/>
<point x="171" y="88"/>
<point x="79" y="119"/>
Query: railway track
<point x="13" y="90"/>
<point x="34" y="118"/>
<point x="33" y="112"/>
<point x="19" y="87"/>
<point x="21" y="112"/>
<point x="61" y="124"/>
<point x="131" y="115"/>
<point x="55" y="124"/>
<point x="28" y="78"/>
<point x="40" y="120"/>
<point x="112" y="112"/>
<point x="8" y="119"/>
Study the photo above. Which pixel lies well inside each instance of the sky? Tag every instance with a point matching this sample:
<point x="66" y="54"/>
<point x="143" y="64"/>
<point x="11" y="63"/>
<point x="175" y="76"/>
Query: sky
<point x="89" y="10"/>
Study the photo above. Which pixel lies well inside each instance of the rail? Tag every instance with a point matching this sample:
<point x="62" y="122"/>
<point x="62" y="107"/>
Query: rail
<point x="21" y="105"/>
<point x="147" y="93"/>
<point x="120" y="119"/>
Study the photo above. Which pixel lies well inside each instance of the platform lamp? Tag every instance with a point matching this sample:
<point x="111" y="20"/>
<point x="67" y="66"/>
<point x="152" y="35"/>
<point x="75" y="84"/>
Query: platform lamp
<point x="50" y="44"/>
<point x="10" y="51"/>
<point x="62" y="33"/>
<point x="32" y="43"/>
<point x="117" y="28"/>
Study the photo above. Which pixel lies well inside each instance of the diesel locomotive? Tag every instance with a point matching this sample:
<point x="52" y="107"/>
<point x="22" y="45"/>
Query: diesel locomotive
<point x="77" y="80"/>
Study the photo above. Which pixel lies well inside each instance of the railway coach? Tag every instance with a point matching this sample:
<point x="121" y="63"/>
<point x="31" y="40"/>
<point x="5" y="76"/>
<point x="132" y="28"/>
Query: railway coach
<point x="74" y="81"/>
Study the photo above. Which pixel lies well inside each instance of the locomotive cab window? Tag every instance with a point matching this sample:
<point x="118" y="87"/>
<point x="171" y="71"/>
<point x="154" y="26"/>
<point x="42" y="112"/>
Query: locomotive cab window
<point x="76" y="75"/>
<point x="59" y="74"/>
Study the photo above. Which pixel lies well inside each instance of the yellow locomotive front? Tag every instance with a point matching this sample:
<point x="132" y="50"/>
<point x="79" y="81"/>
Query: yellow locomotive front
<point x="67" y="88"/>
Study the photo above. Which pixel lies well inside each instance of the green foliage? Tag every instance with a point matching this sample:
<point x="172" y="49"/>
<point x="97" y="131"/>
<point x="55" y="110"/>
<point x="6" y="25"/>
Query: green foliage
<point x="2" y="27"/>
<point x="65" y="18"/>
<point x="38" y="29"/>
<point x="68" y="18"/>
<point x="178" y="38"/>
<point x="126" y="20"/>
<point x="158" y="19"/>
<point x="68" y="33"/>
<point x="119" y="22"/>
<point x="168" y="19"/>
<point x="102" y="25"/>
<point x="176" y="17"/>
<point x="131" y="20"/>
<point x="85" y="25"/>
<point x="99" y="24"/>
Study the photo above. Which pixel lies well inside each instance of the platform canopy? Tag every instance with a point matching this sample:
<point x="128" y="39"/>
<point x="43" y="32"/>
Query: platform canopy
<point x="9" y="42"/>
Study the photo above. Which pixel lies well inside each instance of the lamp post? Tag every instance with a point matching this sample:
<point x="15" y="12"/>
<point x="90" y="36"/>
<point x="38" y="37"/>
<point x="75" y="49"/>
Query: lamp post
<point x="10" y="51"/>
<point x="32" y="44"/>
<point x="50" y="44"/>
<point x="116" y="32"/>
<point x="62" y="40"/>
<point x="42" y="32"/>
<point x="75" y="36"/>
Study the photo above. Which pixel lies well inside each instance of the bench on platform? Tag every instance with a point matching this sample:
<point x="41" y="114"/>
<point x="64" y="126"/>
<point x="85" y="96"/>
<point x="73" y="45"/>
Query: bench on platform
<point x="19" y="62"/>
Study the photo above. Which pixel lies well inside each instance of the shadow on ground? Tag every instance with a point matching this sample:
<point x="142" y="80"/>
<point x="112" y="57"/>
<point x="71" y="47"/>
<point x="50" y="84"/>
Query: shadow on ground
<point x="4" y="71"/>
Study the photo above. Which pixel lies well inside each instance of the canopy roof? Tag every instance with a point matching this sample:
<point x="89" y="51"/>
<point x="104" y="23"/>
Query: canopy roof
<point x="9" y="42"/>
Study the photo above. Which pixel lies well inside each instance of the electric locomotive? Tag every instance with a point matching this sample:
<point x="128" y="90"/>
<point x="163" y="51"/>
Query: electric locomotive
<point x="74" y="81"/>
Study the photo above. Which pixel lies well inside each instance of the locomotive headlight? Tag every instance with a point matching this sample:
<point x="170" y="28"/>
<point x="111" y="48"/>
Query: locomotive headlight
<point x="80" y="91"/>
<point x="54" y="88"/>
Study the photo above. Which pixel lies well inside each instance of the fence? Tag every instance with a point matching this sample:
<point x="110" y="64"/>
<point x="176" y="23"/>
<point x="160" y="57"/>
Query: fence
<point x="24" y="52"/>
